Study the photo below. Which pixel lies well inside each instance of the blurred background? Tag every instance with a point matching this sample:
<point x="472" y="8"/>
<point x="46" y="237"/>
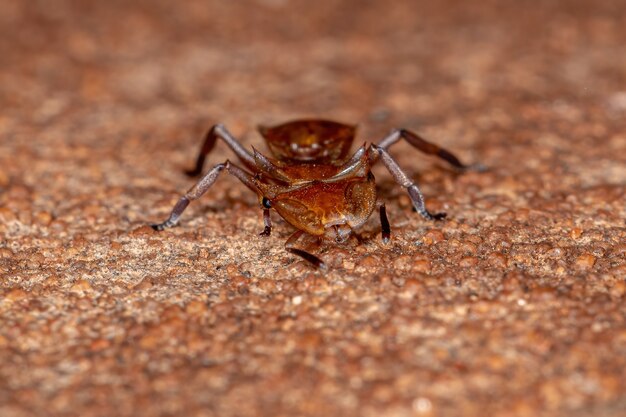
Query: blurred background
<point x="359" y="60"/>
<point x="156" y="74"/>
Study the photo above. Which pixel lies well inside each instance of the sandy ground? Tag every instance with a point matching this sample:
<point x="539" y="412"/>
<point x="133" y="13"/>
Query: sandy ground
<point x="514" y="306"/>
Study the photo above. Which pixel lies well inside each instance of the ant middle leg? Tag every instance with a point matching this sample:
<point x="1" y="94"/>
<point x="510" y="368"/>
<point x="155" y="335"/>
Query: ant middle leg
<point x="202" y="186"/>
<point x="220" y="131"/>
<point x="403" y="179"/>
<point x="428" y="148"/>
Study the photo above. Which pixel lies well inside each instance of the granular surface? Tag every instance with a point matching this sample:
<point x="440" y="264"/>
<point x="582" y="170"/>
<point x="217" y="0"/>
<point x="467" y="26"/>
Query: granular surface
<point x="513" y="306"/>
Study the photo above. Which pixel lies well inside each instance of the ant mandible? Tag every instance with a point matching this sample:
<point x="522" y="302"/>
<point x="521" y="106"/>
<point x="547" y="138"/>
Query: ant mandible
<point x="311" y="182"/>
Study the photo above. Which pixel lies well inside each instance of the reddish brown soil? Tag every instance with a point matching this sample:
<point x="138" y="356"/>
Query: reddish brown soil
<point x="512" y="307"/>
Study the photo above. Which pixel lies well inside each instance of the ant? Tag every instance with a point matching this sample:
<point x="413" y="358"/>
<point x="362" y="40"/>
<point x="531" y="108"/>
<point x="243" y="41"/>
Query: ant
<point x="311" y="182"/>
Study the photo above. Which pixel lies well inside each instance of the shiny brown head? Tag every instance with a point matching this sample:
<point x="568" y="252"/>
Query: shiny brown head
<point x="312" y="141"/>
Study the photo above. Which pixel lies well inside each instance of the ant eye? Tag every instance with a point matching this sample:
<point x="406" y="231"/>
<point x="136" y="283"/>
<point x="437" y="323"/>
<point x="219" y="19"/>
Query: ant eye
<point x="266" y="203"/>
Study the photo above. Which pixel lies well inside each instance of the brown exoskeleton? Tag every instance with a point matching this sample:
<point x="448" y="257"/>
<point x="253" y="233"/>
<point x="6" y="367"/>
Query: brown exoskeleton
<point x="311" y="182"/>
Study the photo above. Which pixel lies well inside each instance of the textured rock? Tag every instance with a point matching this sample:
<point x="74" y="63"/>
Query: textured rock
<point x="513" y="306"/>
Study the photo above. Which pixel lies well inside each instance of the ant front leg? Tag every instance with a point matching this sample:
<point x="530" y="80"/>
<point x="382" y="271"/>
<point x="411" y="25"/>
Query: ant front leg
<point x="384" y="224"/>
<point x="267" y="221"/>
<point x="428" y="148"/>
<point x="401" y="178"/>
<point x="202" y="186"/>
<point x="220" y="131"/>
<point x="312" y="259"/>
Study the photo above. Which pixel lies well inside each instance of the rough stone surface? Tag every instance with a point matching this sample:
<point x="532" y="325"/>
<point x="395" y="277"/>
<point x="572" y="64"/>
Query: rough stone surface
<point x="514" y="306"/>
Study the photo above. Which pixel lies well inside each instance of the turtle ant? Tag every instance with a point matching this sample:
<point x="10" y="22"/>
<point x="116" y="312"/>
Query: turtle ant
<point x="310" y="181"/>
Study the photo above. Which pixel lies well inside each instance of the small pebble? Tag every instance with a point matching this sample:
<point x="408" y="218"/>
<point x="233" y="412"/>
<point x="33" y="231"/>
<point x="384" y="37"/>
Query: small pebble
<point x="421" y="265"/>
<point x="468" y="261"/>
<point x="402" y="263"/>
<point x="81" y="286"/>
<point x="585" y="261"/>
<point x="432" y="236"/>
<point x="497" y="260"/>
<point x="196" y="308"/>
<point x="15" y="294"/>
<point x="576" y="233"/>
<point x="43" y="218"/>
<point x="370" y="261"/>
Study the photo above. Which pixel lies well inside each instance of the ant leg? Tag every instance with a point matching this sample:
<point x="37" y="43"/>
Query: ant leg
<point x="267" y="221"/>
<point x="312" y="259"/>
<point x="219" y="131"/>
<point x="428" y="148"/>
<point x="401" y="178"/>
<point x="201" y="187"/>
<point x="384" y="224"/>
